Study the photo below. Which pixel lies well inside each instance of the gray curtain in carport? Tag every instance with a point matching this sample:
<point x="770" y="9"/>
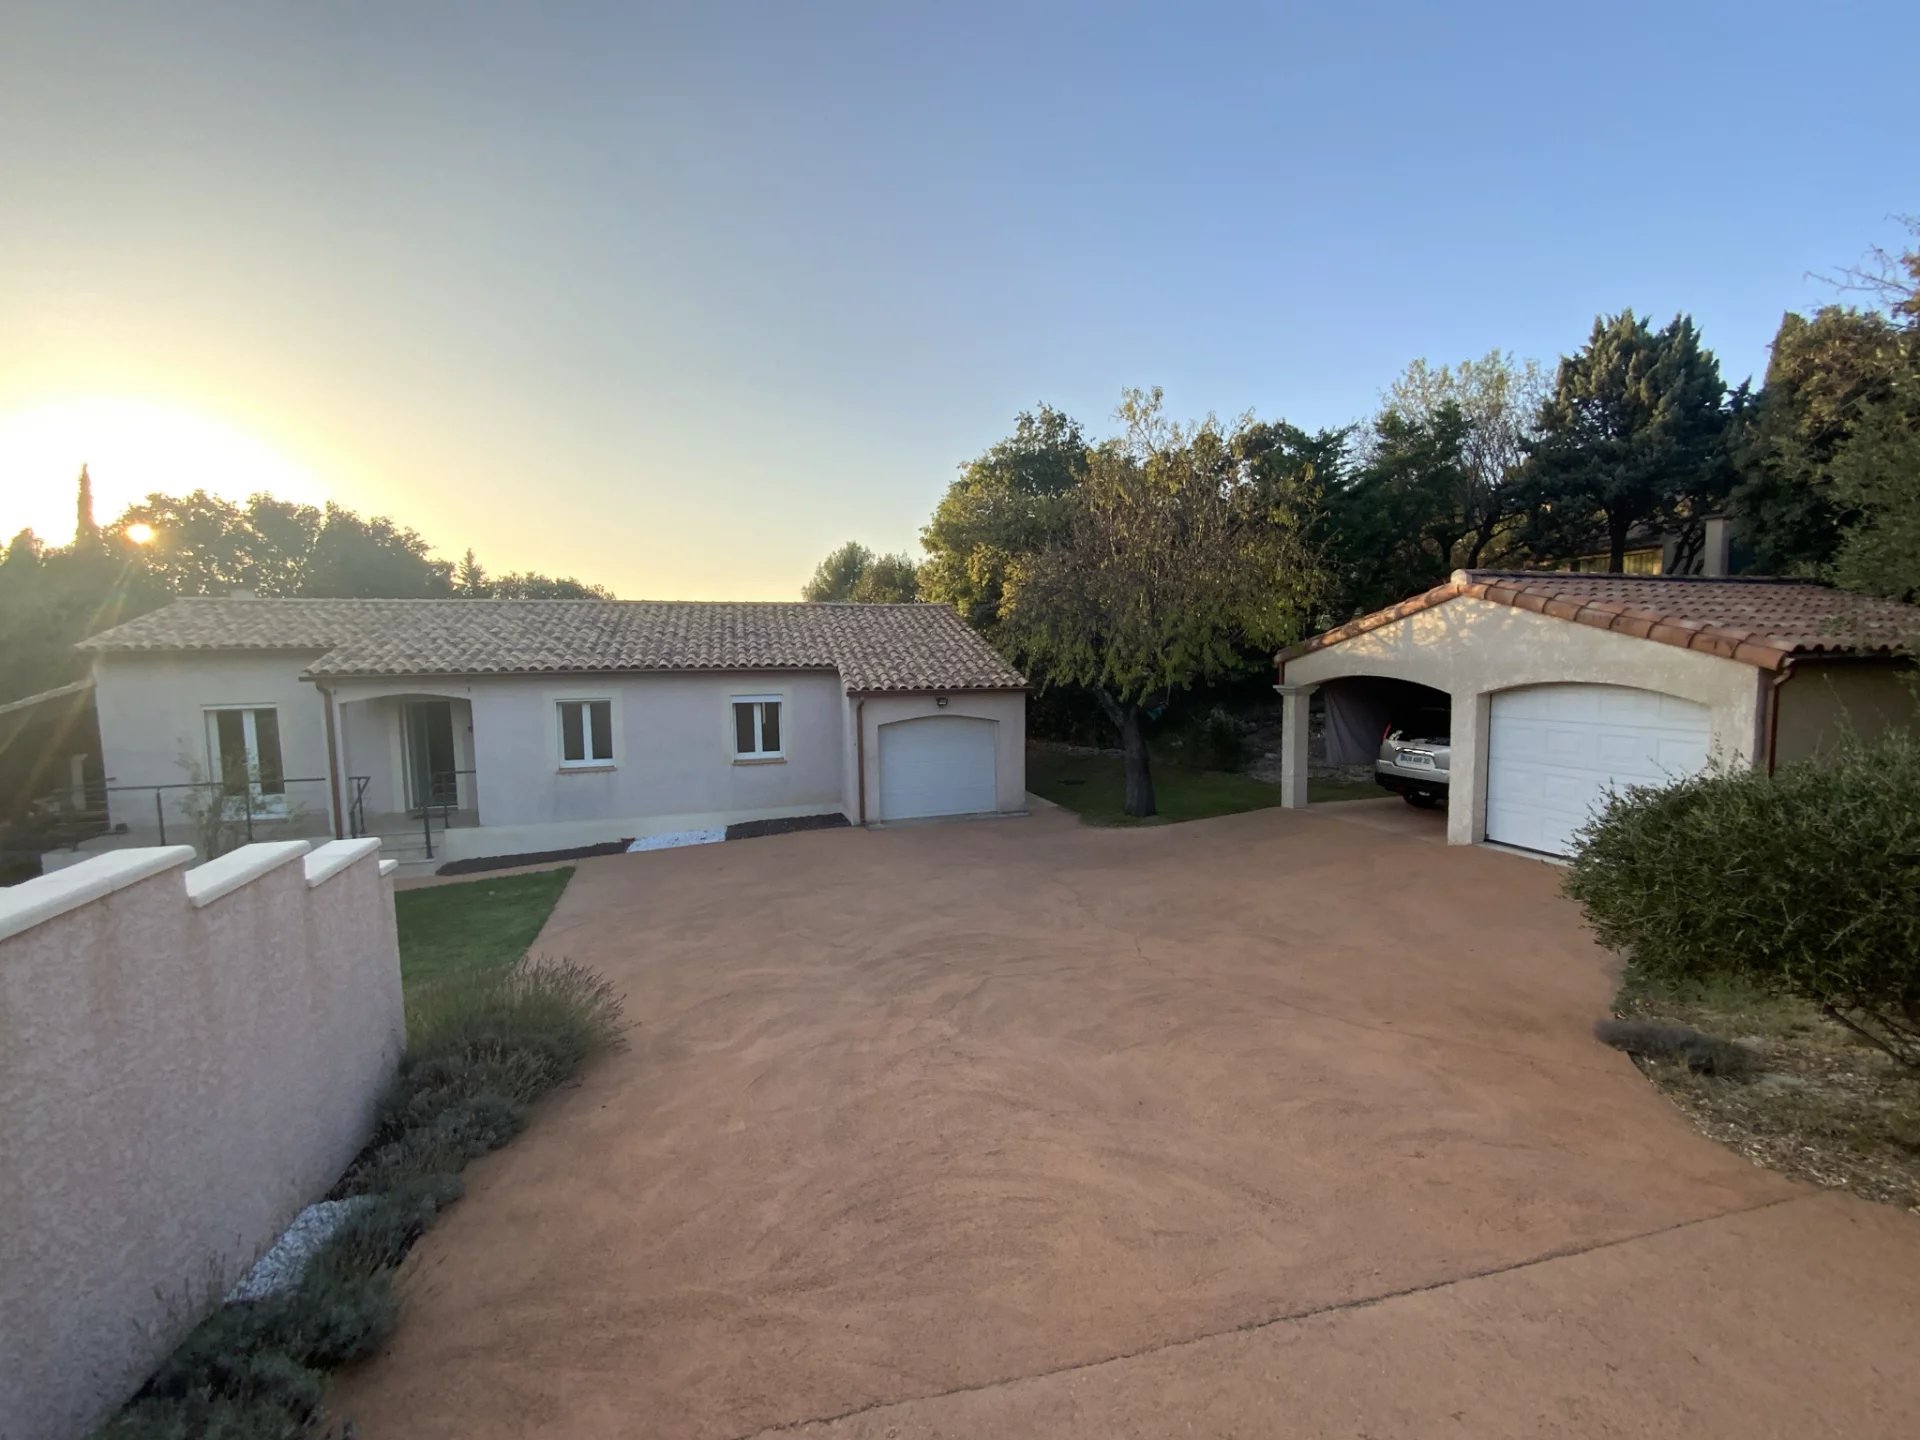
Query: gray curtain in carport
<point x="1356" y="709"/>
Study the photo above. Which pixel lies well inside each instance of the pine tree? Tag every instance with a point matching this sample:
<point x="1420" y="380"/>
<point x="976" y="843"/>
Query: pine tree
<point x="86" y="533"/>
<point x="1633" y="436"/>
<point x="469" y="580"/>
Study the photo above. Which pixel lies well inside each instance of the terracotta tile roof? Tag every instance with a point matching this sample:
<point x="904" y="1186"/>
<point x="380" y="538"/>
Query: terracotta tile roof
<point x="1768" y="623"/>
<point x="873" y="647"/>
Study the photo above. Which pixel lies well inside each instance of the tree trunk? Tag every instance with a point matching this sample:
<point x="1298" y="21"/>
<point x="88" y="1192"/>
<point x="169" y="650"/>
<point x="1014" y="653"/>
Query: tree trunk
<point x="1617" y="527"/>
<point x="1133" y="742"/>
<point x="1130" y="721"/>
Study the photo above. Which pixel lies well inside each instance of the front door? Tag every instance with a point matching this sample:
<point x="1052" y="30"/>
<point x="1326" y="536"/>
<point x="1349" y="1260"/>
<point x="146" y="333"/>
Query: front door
<point x="431" y="780"/>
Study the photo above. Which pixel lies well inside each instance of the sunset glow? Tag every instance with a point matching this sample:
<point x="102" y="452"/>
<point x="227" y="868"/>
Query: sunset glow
<point x="131" y="449"/>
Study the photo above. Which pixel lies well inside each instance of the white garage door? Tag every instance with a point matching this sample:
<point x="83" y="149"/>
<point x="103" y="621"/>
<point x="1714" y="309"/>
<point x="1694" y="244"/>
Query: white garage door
<point x="1553" y="751"/>
<point x="942" y="765"/>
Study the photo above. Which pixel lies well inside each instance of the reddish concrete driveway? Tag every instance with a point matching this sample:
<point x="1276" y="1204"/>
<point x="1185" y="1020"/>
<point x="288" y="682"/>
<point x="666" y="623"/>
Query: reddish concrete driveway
<point x="1271" y="1125"/>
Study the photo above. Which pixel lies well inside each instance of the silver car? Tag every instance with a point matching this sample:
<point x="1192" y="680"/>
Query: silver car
<point x="1415" y="768"/>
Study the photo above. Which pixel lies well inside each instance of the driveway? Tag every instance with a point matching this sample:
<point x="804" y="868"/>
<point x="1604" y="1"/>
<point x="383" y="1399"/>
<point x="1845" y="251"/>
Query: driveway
<point x="1279" y="1124"/>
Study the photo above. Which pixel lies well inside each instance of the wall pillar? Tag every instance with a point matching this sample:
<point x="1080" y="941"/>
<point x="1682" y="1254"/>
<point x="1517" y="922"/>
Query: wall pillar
<point x="1467" y="782"/>
<point x="1294" y="743"/>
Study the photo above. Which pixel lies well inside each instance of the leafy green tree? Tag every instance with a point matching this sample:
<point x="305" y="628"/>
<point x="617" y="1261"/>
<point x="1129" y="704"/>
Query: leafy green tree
<point x="1831" y="457"/>
<point x="203" y="545"/>
<point x="836" y="576"/>
<point x="1876" y="479"/>
<point x="1496" y="400"/>
<point x="889" y="580"/>
<point x="1168" y="564"/>
<point x="1633" y="435"/>
<point x="853" y="572"/>
<point x="1824" y="375"/>
<point x="1010" y="502"/>
<point x="50" y="598"/>
<point x="1405" y="519"/>
<point x="356" y="557"/>
<point x="530" y="585"/>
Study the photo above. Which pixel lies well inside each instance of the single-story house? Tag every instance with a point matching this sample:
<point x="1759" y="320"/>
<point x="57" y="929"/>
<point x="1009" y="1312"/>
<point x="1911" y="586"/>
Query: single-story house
<point x="495" y="727"/>
<point x="1563" y="686"/>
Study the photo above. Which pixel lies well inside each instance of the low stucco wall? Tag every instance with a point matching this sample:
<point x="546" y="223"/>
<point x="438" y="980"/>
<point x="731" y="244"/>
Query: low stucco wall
<point x="187" y="1057"/>
<point x="1008" y="709"/>
<point x="1472" y="648"/>
<point x="1826" y="701"/>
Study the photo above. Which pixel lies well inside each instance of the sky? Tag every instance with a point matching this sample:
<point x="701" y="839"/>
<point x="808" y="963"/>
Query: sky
<point x="677" y="297"/>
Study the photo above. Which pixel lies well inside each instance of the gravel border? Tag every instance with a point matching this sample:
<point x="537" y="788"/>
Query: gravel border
<point x="533" y="857"/>
<point x="282" y="1266"/>
<point x="749" y="829"/>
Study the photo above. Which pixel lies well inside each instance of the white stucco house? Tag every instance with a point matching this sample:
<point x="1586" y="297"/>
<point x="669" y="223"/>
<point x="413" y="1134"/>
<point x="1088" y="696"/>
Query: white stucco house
<point x="498" y="727"/>
<point x="1562" y="686"/>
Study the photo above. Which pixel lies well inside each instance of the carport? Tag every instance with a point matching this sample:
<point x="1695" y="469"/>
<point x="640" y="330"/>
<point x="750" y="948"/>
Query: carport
<point x="1564" y="687"/>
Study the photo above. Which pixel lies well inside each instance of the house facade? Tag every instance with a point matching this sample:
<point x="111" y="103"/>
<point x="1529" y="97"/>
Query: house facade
<point x="470" y="728"/>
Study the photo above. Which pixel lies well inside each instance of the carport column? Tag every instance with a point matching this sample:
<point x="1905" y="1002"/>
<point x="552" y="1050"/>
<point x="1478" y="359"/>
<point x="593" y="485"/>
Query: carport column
<point x="1294" y="703"/>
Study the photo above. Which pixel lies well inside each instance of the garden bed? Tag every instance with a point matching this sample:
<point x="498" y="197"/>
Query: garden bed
<point x="1819" y="1105"/>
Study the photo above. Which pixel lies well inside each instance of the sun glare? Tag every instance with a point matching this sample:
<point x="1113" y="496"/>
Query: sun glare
<point x="131" y="448"/>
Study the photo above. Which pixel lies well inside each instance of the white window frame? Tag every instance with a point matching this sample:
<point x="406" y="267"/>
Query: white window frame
<point x="261" y="804"/>
<point x="592" y="761"/>
<point x="759" y="754"/>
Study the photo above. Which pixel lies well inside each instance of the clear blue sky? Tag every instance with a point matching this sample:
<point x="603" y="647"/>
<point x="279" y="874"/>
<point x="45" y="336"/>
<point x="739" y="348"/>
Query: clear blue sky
<point x="678" y="296"/>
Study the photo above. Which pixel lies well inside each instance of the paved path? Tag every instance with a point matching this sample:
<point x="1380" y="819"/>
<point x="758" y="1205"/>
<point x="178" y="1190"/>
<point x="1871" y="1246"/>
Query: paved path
<point x="1270" y="1125"/>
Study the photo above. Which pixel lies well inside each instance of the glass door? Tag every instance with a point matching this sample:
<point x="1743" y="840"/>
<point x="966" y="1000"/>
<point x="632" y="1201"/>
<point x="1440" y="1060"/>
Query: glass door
<point x="245" y="748"/>
<point x="431" y="781"/>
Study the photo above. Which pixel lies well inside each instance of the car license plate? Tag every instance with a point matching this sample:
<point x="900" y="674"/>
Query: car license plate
<point x="1415" y="761"/>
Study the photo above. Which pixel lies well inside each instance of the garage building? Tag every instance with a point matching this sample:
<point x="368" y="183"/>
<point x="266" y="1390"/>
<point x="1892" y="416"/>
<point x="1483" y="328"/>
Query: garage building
<point x="1560" y="687"/>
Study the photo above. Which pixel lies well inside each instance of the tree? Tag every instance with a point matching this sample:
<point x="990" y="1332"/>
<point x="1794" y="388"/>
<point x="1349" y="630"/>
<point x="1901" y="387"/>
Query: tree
<point x="86" y="530"/>
<point x="889" y="580"/>
<point x="1405" y="519"/>
<point x="469" y="580"/>
<point x="1009" y="503"/>
<point x="1823" y="374"/>
<point x="1497" y="401"/>
<point x="835" y="577"/>
<point x="531" y="585"/>
<point x="1876" y="479"/>
<point x="50" y="598"/>
<point x="356" y="557"/>
<point x="1632" y="436"/>
<point x="1829" y="455"/>
<point x="853" y="572"/>
<point x="1167" y="564"/>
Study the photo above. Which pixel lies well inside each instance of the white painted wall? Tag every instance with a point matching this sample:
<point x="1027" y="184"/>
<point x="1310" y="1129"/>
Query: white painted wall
<point x="1007" y="708"/>
<point x="152" y="712"/>
<point x="187" y="1057"/>
<point x="1471" y="648"/>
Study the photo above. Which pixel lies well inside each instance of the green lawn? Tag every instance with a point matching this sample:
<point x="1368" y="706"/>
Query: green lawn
<point x="448" y="929"/>
<point x="1093" y="786"/>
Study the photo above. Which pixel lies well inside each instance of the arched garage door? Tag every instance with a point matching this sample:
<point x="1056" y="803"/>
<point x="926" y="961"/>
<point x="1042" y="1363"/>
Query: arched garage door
<point x="938" y="765"/>
<point x="1553" y="752"/>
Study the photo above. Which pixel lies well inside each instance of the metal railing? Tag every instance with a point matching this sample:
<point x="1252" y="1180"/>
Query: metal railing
<point x="357" y="807"/>
<point x="213" y="815"/>
<point x="448" y="802"/>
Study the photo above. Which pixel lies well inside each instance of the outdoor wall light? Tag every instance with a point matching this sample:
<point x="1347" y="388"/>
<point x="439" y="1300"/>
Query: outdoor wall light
<point x="941" y="701"/>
